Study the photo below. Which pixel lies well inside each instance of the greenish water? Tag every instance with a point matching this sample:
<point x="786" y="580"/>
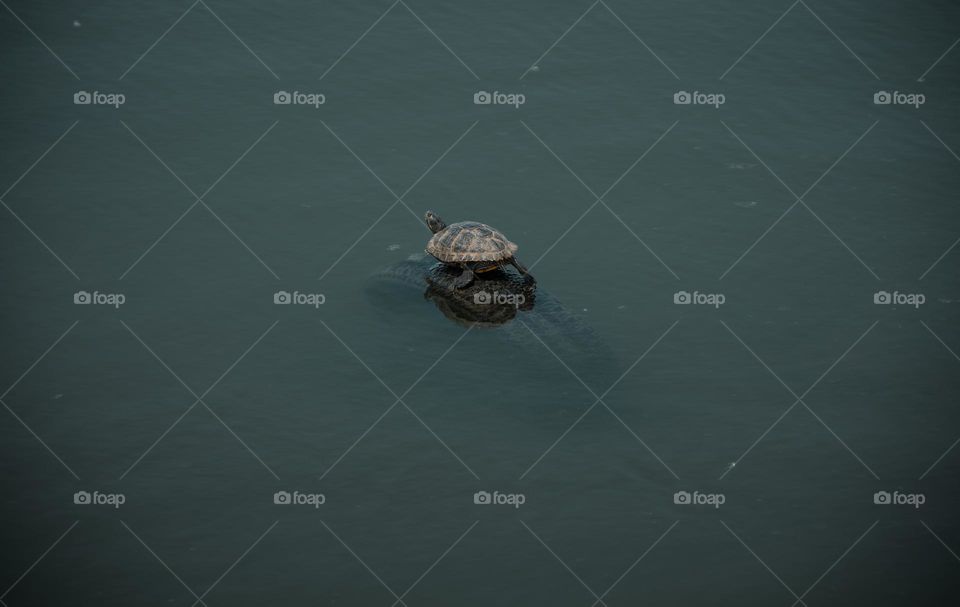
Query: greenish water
<point x="198" y="398"/>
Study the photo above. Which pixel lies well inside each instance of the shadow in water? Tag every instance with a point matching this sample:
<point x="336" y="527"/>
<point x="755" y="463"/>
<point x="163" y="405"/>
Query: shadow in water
<point x="493" y="299"/>
<point x="500" y="303"/>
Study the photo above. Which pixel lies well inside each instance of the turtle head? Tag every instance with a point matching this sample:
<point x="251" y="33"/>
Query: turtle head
<point x="434" y="222"/>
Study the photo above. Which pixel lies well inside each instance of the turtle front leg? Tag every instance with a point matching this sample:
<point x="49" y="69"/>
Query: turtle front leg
<point x="466" y="277"/>
<point x="521" y="269"/>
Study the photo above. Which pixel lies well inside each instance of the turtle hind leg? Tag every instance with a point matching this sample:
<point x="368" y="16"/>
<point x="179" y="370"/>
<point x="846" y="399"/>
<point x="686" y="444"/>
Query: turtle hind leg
<point x="520" y="268"/>
<point x="465" y="279"/>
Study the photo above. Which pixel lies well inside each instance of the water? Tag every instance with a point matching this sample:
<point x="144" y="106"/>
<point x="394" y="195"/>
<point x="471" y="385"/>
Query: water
<point x="391" y="411"/>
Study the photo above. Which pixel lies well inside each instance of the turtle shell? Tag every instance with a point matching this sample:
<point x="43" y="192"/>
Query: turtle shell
<point x="470" y="241"/>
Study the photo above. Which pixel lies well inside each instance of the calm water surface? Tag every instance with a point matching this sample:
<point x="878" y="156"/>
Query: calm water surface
<point x="199" y="398"/>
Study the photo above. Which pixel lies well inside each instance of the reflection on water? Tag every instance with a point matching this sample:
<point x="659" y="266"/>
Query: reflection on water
<point x="527" y="316"/>
<point x="493" y="299"/>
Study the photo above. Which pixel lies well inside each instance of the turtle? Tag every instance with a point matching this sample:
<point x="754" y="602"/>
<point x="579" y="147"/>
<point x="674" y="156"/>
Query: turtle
<point x="474" y="247"/>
